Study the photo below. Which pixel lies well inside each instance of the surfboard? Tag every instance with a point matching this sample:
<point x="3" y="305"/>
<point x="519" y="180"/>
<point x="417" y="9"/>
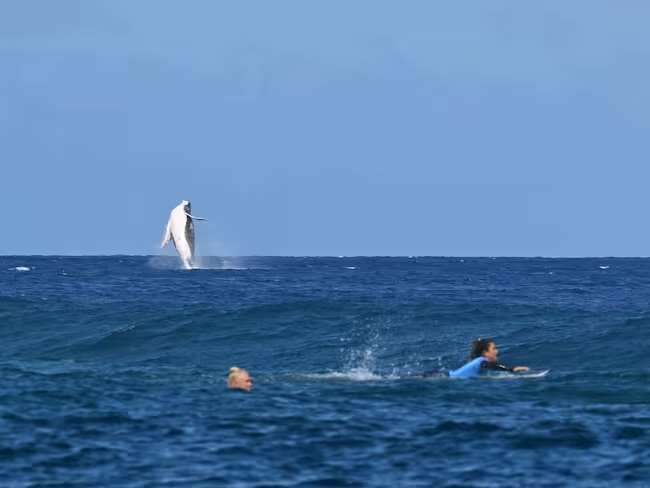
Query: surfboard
<point x="536" y="374"/>
<point x="513" y="376"/>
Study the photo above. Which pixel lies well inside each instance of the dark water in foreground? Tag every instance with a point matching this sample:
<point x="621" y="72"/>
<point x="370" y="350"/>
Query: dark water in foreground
<point x="112" y="372"/>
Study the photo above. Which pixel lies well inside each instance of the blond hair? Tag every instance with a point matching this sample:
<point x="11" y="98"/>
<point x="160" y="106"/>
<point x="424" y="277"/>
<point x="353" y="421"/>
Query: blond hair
<point x="234" y="373"/>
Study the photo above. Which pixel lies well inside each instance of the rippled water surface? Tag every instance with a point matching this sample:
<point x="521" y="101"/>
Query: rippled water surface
<point x="112" y="372"/>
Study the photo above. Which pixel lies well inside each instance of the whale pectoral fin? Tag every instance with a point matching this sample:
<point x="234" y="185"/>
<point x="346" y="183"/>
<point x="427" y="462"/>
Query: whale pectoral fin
<point x="193" y="217"/>
<point x="167" y="237"/>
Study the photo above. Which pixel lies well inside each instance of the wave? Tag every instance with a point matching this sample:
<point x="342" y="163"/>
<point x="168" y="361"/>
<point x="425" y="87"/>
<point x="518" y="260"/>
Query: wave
<point x="307" y="314"/>
<point x="359" y="374"/>
<point x="343" y="339"/>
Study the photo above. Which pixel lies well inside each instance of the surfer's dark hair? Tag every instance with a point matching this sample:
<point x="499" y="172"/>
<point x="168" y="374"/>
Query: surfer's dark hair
<point x="479" y="346"/>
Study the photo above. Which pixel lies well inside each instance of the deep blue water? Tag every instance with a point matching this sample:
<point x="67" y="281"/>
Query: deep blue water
<point x="112" y="372"/>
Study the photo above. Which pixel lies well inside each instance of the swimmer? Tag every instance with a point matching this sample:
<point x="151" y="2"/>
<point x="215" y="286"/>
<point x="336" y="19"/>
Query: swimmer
<point x="239" y="379"/>
<point x="483" y="357"/>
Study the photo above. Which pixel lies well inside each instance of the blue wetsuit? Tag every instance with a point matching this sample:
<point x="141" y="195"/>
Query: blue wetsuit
<point x="475" y="366"/>
<point x="472" y="369"/>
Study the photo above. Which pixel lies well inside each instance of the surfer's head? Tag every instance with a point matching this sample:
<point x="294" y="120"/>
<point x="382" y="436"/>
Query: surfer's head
<point x="484" y="347"/>
<point x="239" y="379"/>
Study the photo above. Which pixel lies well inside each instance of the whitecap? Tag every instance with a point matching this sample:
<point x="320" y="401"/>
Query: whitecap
<point x="20" y="268"/>
<point x="352" y="375"/>
<point x="603" y="267"/>
<point x="350" y="267"/>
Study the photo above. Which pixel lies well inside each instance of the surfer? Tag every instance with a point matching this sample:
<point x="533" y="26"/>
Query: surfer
<point x="239" y="379"/>
<point x="483" y="356"/>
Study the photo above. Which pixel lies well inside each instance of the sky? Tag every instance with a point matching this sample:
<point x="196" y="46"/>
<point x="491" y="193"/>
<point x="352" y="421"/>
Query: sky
<point x="500" y="128"/>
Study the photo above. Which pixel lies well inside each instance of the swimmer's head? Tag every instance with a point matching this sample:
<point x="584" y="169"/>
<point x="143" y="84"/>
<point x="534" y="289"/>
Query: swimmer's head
<point x="239" y="379"/>
<point x="484" y="347"/>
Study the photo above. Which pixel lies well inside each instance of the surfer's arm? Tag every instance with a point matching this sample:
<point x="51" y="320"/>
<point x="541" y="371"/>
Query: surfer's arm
<point x="496" y="366"/>
<point x="502" y="367"/>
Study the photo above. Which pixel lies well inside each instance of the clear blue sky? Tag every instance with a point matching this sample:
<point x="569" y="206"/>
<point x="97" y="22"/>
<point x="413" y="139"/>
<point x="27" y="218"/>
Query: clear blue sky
<point x="326" y="127"/>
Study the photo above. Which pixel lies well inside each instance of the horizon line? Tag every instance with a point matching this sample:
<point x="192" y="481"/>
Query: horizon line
<point x="408" y="256"/>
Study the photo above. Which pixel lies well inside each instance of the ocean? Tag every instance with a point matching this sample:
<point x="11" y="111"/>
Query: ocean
<point x="113" y="372"/>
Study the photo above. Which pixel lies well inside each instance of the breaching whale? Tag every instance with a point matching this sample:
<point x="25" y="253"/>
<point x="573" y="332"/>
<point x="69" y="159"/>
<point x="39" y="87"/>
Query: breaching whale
<point x="180" y="230"/>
